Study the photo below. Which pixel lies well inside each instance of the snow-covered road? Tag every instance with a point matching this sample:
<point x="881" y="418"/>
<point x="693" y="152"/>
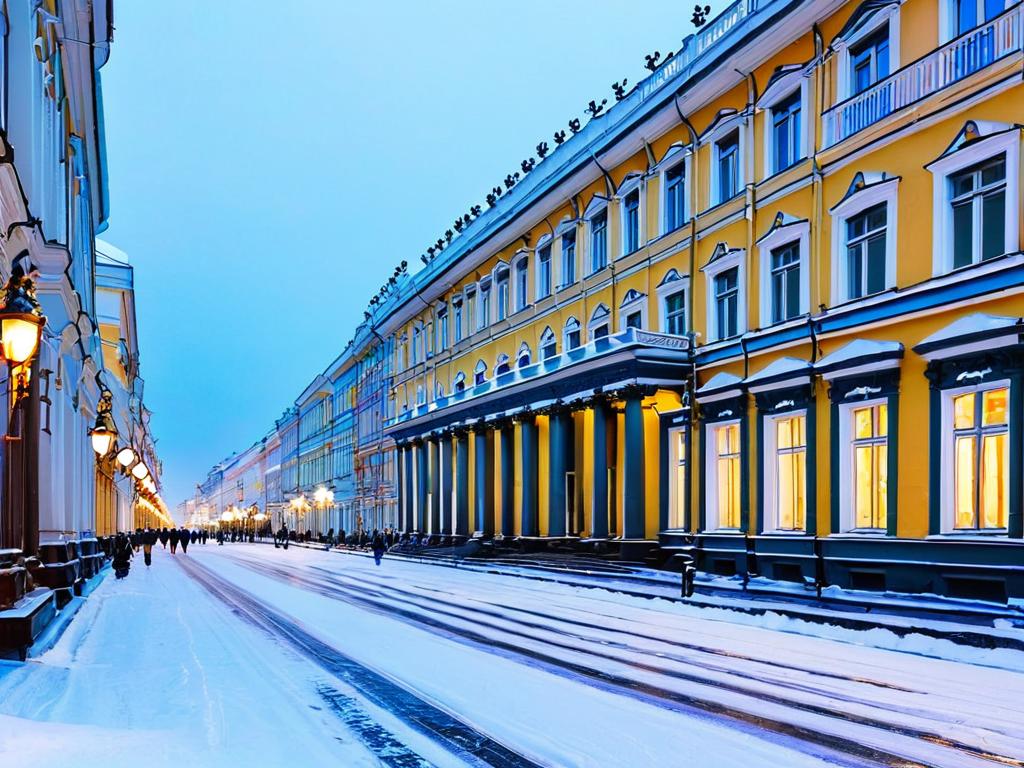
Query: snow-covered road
<point x="329" y="657"/>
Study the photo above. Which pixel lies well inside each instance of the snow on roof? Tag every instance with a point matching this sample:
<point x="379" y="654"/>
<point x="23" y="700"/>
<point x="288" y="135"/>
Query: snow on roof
<point x="971" y="325"/>
<point x="782" y="367"/>
<point x="860" y="348"/>
<point x="721" y="380"/>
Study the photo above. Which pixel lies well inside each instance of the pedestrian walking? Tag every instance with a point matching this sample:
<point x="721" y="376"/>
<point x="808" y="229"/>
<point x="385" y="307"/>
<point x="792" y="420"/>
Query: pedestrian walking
<point x="205" y="534"/>
<point x="284" y="535"/>
<point x="149" y="540"/>
<point x="136" y="539"/>
<point x="122" y="555"/>
<point x="378" y="547"/>
<point x="194" y="536"/>
<point x="220" y="538"/>
<point x="174" y="536"/>
<point x="164" y="536"/>
<point x="183" y="537"/>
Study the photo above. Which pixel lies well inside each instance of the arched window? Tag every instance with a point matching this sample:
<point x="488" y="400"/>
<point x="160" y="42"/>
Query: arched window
<point x="501" y="366"/>
<point x="460" y="382"/>
<point x="572" y="333"/>
<point x="480" y="372"/>
<point x="523" y="357"/>
<point x="548" y="344"/>
<point x="599" y="321"/>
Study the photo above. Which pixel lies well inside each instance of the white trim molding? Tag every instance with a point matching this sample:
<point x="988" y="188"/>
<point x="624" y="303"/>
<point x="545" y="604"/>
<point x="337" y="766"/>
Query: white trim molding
<point x="725" y="258"/>
<point x="871" y="22"/>
<point x="865" y="191"/>
<point x="784" y="230"/>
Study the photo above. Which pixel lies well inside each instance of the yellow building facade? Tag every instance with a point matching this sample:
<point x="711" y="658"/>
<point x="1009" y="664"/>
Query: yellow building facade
<point x="765" y="312"/>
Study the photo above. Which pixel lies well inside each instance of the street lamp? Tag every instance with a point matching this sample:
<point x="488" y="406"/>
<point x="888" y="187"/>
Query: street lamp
<point x="126" y="457"/>
<point x="140" y="471"/>
<point x="103" y="432"/>
<point x="21" y="318"/>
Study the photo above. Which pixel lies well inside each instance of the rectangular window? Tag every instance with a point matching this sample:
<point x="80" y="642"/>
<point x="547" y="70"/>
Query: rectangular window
<point x="677" y="514"/>
<point x="978" y="198"/>
<point x="631" y="222"/>
<point x="544" y="272"/>
<point x="675" y="313"/>
<point x="728" y="167"/>
<point x="549" y="350"/>
<point x="599" y="241"/>
<point x="442" y="330"/>
<point x="727" y="475"/>
<point x="470" y="312"/>
<point x="675" y="200"/>
<point x="972" y="13"/>
<point x="786" y="132"/>
<point x="865" y="252"/>
<point x="568" y="258"/>
<point x="870" y="445"/>
<point x="485" y="307"/>
<point x="572" y="339"/>
<point x="790" y="473"/>
<point x="981" y="441"/>
<point x="599" y="331"/>
<point x="457" y="321"/>
<point x="727" y="297"/>
<point x="634" y="319"/>
<point x="503" y="289"/>
<point x="785" y="282"/>
<point x="522" y="284"/>
<point x="869" y="61"/>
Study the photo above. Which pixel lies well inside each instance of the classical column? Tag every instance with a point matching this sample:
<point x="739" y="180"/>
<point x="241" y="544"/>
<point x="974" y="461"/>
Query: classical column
<point x="446" y="485"/>
<point x="462" y="484"/>
<point x="400" y="483"/>
<point x="633" y="498"/>
<point x="559" y="438"/>
<point x="421" y="486"/>
<point x="483" y="466"/>
<point x="508" y="468"/>
<point x="435" y="485"/>
<point x="599" y="509"/>
<point x="529" y="521"/>
<point x="409" y="519"/>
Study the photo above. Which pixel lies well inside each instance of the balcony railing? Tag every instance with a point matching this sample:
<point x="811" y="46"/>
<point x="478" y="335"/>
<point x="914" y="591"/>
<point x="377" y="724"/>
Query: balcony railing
<point x="941" y="68"/>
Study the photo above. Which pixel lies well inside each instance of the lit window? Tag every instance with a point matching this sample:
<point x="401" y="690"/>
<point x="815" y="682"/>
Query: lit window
<point x="728" y="166"/>
<point x="978" y="198"/>
<point x="786" y="132"/>
<point x="675" y="313"/>
<point x="599" y="241"/>
<point x="865" y="252"/>
<point x="785" y="282"/>
<point x="790" y="473"/>
<point x="981" y="459"/>
<point x="677" y="513"/>
<point x="675" y="200"/>
<point x="631" y="222"/>
<point x="727" y="475"/>
<point x="870" y="446"/>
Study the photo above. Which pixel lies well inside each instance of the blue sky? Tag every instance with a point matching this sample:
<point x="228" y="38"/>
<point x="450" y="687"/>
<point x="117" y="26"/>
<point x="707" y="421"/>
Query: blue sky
<point x="271" y="162"/>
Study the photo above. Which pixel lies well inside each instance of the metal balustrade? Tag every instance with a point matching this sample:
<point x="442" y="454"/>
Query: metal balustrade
<point x="954" y="61"/>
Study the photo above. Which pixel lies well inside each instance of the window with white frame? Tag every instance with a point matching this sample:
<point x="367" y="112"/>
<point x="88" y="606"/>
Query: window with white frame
<point x="976" y="196"/>
<point x="523" y="356"/>
<point x="727" y="165"/>
<point x="428" y="339"/>
<point x="480" y="372"/>
<point x="786" y="472"/>
<point x="544" y="270"/>
<point x="522" y="293"/>
<point x="501" y="365"/>
<point x="417" y="345"/>
<point x="599" y="241"/>
<point x="977" y="436"/>
<point x="726" y="301"/>
<point x="457" y="318"/>
<point x="723" y="481"/>
<point x="786" y="136"/>
<point x="864" y="239"/>
<point x="460" y="382"/>
<point x="599" y="321"/>
<point x="726" y="293"/>
<point x="631" y="221"/>
<point x="869" y="60"/>
<point x="485" y="305"/>
<point x="677" y="481"/>
<point x="785" y="281"/>
<point x="572" y="333"/>
<point x="675" y="196"/>
<point x="675" y="313"/>
<point x="548" y="344"/>
<point x="633" y="310"/>
<point x="568" y="276"/>
<point x="502" y="289"/>
<point x="442" y="328"/>
<point x="472" y="321"/>
<point x="867" y="492"/>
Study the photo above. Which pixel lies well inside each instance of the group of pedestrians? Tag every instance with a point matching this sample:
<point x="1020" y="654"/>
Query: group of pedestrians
<point x="379" y="541"/>
<point x="127" y="545"/>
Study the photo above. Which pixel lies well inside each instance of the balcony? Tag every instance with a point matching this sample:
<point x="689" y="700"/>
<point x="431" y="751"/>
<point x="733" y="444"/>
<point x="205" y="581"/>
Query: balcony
<point x="943" y="67"/>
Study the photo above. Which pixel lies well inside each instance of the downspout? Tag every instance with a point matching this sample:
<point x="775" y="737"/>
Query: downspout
<point x="815" y="268"/>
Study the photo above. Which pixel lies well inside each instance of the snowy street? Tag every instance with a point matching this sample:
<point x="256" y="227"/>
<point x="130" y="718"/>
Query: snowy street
<point x="245" y="654"/>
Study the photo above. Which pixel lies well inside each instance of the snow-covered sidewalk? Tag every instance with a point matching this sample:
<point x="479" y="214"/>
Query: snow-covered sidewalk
<point x="155" y="672"/>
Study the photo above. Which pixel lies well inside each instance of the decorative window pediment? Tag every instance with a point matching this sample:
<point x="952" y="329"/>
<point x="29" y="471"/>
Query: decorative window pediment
<point x="632" y="295"/>
<point x="722" y="255"/>
<point x="725" y="121"/>
<point x="601" y="312"/>
<point x="973" y="132"/>
<point x="597" y="204"/>
<point x="567" y="224"/>
<point x="784" y="80"/>
<point x="672" y="276"/>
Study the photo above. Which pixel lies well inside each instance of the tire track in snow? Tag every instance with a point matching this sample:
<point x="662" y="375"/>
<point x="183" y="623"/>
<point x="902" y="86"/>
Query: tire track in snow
<point x="459" y="738"/>
<point x="357" y="595"/>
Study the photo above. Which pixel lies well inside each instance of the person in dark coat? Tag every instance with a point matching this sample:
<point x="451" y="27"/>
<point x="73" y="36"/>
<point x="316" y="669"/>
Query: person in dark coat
<point x="164" y="536"/>
<point x="122" y="555"/>
<point x="194" y="535"/>
<point x="220" y="538"/>
<point x="136" y="539"/>
<point x="149" y="540"/>
<point x="284" y="535"/>
<point x="183" y="538"/>
<point x="378" y="546"/>
<point x="174" y="536"/>
<point x="205" y="535"/>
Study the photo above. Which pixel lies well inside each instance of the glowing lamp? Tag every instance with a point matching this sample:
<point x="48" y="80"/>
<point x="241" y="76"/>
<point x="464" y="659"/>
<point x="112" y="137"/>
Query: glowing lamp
<point x="140" y="471"/>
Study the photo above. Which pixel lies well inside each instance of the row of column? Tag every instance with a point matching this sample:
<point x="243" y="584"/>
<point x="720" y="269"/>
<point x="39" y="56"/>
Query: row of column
<point x="426" y="465"/>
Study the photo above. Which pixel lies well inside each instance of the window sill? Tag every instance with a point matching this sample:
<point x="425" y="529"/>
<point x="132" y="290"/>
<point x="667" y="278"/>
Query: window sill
<point x="784" y="533"/>
<point x="994" y="534"/>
